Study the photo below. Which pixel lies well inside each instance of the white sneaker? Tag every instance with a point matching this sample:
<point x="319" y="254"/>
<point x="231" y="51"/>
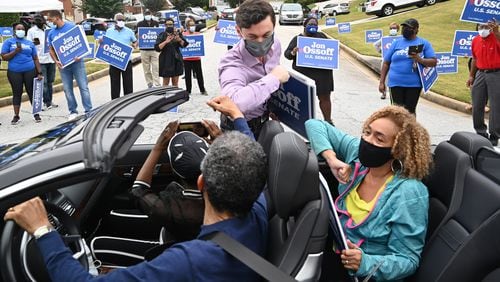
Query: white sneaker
<point x="72" y="116"/>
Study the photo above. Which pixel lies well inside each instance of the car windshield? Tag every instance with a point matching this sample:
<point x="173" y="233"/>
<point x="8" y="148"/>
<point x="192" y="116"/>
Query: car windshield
<point x="296" y="7"/>
<point x="198" y="10"/>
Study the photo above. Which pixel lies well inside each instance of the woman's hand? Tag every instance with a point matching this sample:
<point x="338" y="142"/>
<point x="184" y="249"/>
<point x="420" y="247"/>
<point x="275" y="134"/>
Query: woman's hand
<point x="39" y="76"/>
<point x="340" y="170"/>
<point x="166" y="135"/>
<point x="381" y="87"/>
<point x="351" y="258"/>
<point x="226" y="106"/>
<point x="169" y="38"/>
<point x="212" y="128"/>
<point x="294" y="51"/>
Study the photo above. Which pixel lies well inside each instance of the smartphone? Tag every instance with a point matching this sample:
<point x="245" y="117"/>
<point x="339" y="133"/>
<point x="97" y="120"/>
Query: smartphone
<point x="415" y="49"/>
<point x="36" y="41"/>
<point x="195" y="127"/>
<point x="18" y="44"/>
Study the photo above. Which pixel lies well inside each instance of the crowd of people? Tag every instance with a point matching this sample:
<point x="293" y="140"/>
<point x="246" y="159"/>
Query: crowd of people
<point x="382" y="201"/>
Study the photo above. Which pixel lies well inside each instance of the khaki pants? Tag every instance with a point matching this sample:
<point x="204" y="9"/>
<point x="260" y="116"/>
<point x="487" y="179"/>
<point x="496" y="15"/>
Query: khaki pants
<point x="149" y="60"/>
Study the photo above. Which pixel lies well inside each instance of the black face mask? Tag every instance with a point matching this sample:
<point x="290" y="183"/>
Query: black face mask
<point x="169" y="29"/>
<point x="373" y="156"/>
<point x="407" y="33"/>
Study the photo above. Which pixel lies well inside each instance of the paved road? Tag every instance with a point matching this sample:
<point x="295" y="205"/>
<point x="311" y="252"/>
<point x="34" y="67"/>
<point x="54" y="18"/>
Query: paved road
<point x="355" y="97"/>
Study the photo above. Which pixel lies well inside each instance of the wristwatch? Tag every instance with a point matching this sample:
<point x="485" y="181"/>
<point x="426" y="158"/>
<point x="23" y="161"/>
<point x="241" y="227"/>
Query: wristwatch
<point x="42" y="231"/>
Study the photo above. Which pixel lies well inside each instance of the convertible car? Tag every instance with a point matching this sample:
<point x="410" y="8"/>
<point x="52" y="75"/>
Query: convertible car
<point x="83" y="168"/>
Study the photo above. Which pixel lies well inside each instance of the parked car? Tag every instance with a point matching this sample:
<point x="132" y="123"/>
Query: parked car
<point x="228" y="14"/>
<point x="200" y="21"/>
<point x="334" y="9"/>
<point x="132" y="20"/>
<point x="196" y="10"/>
<point x="92" y="24"/>
<point x="291" y="13"/>
<point x="387" y="7"/>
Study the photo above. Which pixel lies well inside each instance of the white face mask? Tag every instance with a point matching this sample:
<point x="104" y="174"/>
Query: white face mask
<point x="393" y="32"/>
<point x="120" y="24"/>
<point x="148" y="17"/>
<point x="192" y="29"/>
<point x="484" y="32"/>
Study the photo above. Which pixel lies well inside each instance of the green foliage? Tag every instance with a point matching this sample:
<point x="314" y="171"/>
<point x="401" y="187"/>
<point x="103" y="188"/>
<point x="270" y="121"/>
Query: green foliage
<point x="181" y="5"/>
<point x="102" y="8"/>
<point x="153" y="5"/>
<point x="8" y="19"/>
<point x="233" y="3"/>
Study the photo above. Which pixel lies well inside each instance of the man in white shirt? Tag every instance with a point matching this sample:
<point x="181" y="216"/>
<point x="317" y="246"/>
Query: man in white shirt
<point x="37" y="34"/>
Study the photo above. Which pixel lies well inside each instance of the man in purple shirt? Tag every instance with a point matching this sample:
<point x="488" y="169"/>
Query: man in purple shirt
<point x="250" y="72"/>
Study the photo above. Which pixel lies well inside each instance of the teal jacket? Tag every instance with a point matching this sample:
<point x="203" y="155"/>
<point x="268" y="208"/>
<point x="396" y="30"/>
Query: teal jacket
<point x="393" y="234"/>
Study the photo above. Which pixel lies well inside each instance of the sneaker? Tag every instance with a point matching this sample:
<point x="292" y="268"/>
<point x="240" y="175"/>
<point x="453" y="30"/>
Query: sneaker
<point x="15" y="120"/>
<point x="72" y="116"/>
<point x="204" y="93"/>
<point x="37" y="118"/>
<point x="150" y="85"/>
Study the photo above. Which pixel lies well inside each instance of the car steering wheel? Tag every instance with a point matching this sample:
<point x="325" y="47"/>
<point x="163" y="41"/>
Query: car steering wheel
<point x="20" y="257"/>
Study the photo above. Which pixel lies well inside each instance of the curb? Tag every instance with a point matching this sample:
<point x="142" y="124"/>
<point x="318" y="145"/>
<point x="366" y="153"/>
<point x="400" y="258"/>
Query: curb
<point x="374" y="64"/>
<point x="7" y="101"/>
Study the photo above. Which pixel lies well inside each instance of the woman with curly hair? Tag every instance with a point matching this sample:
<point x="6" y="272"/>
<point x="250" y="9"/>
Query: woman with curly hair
<point x="382" y="201"/>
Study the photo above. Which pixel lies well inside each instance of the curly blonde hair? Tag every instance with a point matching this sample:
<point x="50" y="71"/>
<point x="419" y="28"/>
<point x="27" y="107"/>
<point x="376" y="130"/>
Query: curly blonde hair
<point x="412" y="144"/>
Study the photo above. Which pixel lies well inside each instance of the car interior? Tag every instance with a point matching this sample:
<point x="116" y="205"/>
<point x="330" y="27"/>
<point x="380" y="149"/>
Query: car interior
<point x="464" y="212"/>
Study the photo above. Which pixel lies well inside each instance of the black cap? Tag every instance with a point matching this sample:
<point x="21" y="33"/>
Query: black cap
<point x="186" y="150"/>
<point x="147" y="11"/>
<point x="413" y="23"/>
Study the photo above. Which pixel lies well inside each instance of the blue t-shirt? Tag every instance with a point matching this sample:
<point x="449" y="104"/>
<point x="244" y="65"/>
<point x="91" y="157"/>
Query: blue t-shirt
<point x="22" y="61"/>
<point x="58" y="31"/>
<point x="401" y="71"/>
<point x="195" y="260"/>
<point x="125" y="35"/>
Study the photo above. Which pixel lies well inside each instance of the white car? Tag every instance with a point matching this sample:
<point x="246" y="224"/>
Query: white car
<point x="291" y="13"/>
<point x="387" y="7"/>
<point x="334" y="9"/>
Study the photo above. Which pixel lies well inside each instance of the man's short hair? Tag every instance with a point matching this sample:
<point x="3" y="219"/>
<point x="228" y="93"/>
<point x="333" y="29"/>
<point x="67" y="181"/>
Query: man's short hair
<point x="253" y="12"/>
<point x="234" y="171"/>
<point x="54" y="14"/>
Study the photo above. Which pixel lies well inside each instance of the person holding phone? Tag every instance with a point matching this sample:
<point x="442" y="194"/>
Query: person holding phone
<point x="23" y="68"/>
<point x="193" y="64"/>
<point x="168" y="44"/>
<point x="37" y="34"/>
<point x="400" y="66"/>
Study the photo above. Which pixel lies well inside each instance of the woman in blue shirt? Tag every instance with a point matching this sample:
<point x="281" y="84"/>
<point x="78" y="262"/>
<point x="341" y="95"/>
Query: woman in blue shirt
<point x="401" y="64"/>
<point x="23" y="68"/>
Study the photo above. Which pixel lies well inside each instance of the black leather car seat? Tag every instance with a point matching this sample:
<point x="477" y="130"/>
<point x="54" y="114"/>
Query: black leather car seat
<point x="487" y="162"/>
<point x="298" y="227"/>
<point x="469" y="142"/>
<point x="270" y="129"/>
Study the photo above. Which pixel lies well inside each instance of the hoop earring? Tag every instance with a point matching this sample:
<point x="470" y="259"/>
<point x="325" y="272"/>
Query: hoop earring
<point x="400" y="164"/>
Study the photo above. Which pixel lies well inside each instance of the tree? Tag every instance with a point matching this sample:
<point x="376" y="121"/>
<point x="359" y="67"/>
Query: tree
<point x="102" y="8"/>
<point x="153" y="5"/>
<point x="181" y="5"/>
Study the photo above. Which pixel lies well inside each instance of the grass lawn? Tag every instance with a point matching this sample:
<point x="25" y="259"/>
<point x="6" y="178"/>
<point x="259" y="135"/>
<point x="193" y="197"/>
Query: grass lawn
<point x="437" y="24"/>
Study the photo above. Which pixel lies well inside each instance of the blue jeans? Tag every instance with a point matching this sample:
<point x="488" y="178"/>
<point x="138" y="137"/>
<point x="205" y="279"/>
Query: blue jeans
<point x="49" y="74"/>
<point x="76" y="70"/>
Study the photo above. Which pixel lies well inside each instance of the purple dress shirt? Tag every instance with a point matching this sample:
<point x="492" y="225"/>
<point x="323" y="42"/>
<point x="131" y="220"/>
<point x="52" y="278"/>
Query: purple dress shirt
<point x="247" y="81"/>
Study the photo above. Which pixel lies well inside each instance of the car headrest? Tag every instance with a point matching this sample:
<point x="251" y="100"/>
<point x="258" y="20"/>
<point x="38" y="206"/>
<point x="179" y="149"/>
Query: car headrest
<point x="469" y="142"/>
<point x="270" y="129"/>
<point x="487" y="162"/>
<point x="293" y="174"/>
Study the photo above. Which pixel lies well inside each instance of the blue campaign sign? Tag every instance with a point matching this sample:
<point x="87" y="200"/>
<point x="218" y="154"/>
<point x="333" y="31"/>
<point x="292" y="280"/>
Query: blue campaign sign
<point x="98" y="34"/>
<point x="428" y="76"/>
<point x="387" y="42"/>
<point x="6" y="31"/>
<point x="37" y="95"/>
<point x="196" y="47"/>
<point x="344" y="27"/>
<point x="372" y="36"/>
<point x="462" y="43"/>
<point x="46" y="47"/>
<point x="293" y="103"/>
<point x="317" y="53"/>
<point x="147" y="36"/>
<point x="114" y="53"/>
<point x="71" y="45"/>
<point x="330" y="21"/>
<point x="87" y="26"/>
<point x="446" y="63"/>
<point x="480" y="11"/>
<point x="90" y="55"/>
<point x="226" y="33"/>
<point x="174" y="15"/>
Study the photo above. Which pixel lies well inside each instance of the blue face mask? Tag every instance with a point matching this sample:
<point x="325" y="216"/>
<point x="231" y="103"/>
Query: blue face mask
<point x="20" y="33"/>
<point x="50" y="24"/>
<point x="311" y="29"/>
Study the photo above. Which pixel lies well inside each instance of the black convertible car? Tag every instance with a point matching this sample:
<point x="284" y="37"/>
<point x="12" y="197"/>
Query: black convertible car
<point x="83" y="168"/>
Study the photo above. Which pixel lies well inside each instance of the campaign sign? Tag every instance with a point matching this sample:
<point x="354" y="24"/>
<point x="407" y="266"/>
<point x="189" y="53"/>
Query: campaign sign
<point x="114" y="53"/>
<point x="293" y="103"/>
<point x="387" y="42"/>
<point x="87" y="26"/>
<point x="37" y="95"/>
<point x="344" y="28"/>
<point x="331" y="21"/>
<point x="147" y="36"/>
<point x="46" y="47"/>
<point x="90" y="55"/>
<point x="372" y="36"/>
<point x="317" y="53"/>
<point x="98" y="34"/>
<point x="196" y="47"/>
<point x="71" y="45"/>
<point x="6" y="31"/>
<point x="428" y="76"/>
<point x="446" y="63"/>
<point x="174" y="15"/>
<point x="462" y="43"/>
<point x="226" y="33"/>
<point x="480" y="11"/>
